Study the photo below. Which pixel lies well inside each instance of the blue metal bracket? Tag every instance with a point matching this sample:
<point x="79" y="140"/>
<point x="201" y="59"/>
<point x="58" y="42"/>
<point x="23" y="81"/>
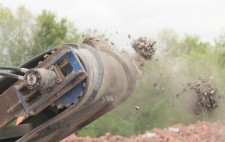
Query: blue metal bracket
<point x="74" y="73"/>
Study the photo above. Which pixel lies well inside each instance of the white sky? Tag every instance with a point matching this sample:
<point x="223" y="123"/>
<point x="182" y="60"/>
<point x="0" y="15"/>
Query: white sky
<point x="205" y="18"/>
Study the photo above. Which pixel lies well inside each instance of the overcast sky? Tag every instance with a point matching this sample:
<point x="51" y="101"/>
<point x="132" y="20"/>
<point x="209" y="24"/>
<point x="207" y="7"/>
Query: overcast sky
<point x="205" y="18"/>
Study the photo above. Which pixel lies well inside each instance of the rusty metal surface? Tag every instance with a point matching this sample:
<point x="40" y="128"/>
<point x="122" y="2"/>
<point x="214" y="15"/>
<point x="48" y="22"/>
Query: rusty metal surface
<point x="40" y="78"/>
<point x="111" y="80"/>
<point x="108" y="85"/>
<point x="9" y="99"/>
<point x="64" y="124"/>
<point x="6" y="82"/>
<point x="68" y="82"/>
<point x="14" y="131"/>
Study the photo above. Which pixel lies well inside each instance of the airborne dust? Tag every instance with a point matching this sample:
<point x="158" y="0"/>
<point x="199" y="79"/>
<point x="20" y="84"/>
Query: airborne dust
<point x="206" y="95"/>
<point x="204" y="92"/>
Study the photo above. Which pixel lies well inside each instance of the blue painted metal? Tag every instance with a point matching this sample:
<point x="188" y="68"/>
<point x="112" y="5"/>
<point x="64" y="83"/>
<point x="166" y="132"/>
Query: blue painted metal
<point x="70" y="96"/>
<point x="23" y="102"/>
<point x="73" y="62"/>
<point x="71" y="58"/>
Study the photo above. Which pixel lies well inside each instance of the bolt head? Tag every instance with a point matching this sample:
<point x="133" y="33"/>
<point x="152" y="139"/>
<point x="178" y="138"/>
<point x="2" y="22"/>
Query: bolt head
<point x="50" y="68"/>
<point x="31" y="79"/>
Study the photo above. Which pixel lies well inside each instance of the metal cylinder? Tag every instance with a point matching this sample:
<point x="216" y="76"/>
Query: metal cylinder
<point x="112" y="77"/>
<point x="111" y="73"/>
<point x="40" y="78"/>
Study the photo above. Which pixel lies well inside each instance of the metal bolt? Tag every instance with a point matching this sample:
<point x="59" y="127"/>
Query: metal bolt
<point x="48" y="89"/>
<point x="58" y="81"/>
<point x="67" y="105"/>
<point x="46" y="55"/>
<point x="51" y="68"/>
<point x="137" y="107"/>
<point x="59" y="106"/>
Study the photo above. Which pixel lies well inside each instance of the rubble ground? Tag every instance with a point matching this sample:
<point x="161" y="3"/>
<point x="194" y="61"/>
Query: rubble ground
<point x="198" y="132"/>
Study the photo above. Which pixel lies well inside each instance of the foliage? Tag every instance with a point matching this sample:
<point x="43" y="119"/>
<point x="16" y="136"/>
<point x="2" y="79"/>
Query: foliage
<point x="220" y="48"/>
<point x="15" y="33"/>
<point x="49" y="32"/>
<point x="23" y="35"/>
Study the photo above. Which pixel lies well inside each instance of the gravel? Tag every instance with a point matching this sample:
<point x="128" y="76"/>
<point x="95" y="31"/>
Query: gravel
<point x="144" y="47"/>
<point x="199" y="132"/>
<point x="206" y="94"/>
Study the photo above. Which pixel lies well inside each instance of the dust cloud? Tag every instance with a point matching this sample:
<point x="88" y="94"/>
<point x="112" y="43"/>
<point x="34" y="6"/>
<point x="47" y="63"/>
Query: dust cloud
<point x="170" y="75"/>
<point x="206" y="95"/>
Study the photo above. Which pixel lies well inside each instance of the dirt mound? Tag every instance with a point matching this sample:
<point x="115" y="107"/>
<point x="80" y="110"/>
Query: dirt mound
<point x="144" y="47"/>
<point x="89" y="41"/>
<point x="97" y="42"/>
<point x="199" y="132"/>
<point x="205" y="93"/>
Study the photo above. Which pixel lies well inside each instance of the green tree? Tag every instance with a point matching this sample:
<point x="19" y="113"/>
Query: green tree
<point x="220" y="49"/>
<point x="15" y="35"/>
<point x="21" y="41"/>
<point x="174" y="45"/>
<point x="23" y="36"/>
<point x="49" y="32"/>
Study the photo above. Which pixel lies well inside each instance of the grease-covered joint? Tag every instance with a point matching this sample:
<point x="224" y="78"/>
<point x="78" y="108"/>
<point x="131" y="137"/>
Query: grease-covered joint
<point x="40" y="78"/>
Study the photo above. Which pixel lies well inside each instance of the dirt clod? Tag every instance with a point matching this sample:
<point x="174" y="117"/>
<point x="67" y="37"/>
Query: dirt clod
<point x="155" y="84"/>
<point x="90" y="41"/>
<point x="137" y="107"/>
<point x="97" y="42"/>
<point x="206" y="94"/>
<point x="144" y="47"/>
<point x="129" y="36"/>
